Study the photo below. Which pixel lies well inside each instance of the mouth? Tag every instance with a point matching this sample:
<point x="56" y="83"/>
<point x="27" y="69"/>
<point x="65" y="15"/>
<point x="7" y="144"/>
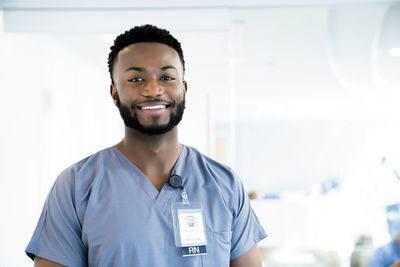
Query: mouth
<point x="153" y="107"/>
<point x="150" y="106"/>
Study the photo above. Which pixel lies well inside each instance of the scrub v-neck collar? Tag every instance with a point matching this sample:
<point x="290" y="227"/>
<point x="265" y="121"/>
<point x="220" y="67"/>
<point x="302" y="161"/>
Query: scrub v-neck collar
<point x="163" y="197"/>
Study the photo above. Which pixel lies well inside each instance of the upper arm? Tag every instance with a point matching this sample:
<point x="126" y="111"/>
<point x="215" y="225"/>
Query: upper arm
<point x="57" y="236"/>
<point x="40" y="262"/>
<point x="251" y="258"/>
<point x="246" y="229"/>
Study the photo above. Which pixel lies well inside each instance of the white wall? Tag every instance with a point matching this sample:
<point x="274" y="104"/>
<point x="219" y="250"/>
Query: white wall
<point x="46" y="87"/>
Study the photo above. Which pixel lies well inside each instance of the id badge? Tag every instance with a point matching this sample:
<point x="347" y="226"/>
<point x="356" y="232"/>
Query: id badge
<point x="188" y="227"/>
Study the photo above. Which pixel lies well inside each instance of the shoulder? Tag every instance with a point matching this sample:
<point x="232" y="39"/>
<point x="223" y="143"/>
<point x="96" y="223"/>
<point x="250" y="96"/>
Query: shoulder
<point x="382" y="255"/>
<point x="219" y="172"/>
<point x="74" y="185"/>
<point x="387" y="249"/>
<point x="79" y="176"/>
<point x="219" y="175"/>
<point x="87" y="165"/>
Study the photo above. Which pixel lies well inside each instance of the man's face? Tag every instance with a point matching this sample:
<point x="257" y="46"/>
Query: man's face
<point x="190" y="221"/>
<point x="148" y="87"/>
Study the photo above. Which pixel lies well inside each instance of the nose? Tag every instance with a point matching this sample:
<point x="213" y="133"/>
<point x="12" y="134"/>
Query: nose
<point x="152" y="88"/>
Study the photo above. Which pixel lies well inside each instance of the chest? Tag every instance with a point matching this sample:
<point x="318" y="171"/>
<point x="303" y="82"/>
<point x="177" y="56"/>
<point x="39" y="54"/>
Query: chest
<point x="124" y="223"/>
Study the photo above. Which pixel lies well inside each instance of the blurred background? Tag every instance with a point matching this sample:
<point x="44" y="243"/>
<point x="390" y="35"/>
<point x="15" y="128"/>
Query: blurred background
<point x="300" y="97"/>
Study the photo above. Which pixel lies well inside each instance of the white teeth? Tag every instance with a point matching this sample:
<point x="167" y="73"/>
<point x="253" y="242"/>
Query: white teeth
<point x="153" y="107"/>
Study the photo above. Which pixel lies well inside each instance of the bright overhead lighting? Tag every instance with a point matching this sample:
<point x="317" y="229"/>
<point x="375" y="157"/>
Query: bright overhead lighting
<point x="108" y="38"/>
<point x="394" y="52"/>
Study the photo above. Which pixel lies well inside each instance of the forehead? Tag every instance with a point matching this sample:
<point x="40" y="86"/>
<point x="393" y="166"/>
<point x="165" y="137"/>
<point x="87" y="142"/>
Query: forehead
<point x="147" y="54"/>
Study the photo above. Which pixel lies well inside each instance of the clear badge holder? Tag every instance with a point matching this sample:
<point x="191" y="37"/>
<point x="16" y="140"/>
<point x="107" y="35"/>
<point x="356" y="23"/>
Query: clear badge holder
<point x="188" y="225"/>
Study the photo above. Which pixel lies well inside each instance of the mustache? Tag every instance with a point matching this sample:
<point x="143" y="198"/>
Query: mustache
<point x="170" y="103"/>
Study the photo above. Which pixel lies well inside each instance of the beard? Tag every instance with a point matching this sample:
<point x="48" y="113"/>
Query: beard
<point x="131" y="120"/>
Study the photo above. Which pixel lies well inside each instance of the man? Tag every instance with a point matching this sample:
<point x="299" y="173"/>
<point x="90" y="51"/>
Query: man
<point x="115" y="208"/>
<point x="389" y="254"/>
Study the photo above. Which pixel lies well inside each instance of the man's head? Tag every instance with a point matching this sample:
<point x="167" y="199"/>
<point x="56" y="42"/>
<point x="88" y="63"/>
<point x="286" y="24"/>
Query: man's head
<point x="140" y="34"/>
<point x="190" y="221"/>
<point x="146" y="66"/>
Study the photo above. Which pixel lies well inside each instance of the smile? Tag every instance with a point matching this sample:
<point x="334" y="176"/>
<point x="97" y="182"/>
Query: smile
<point x="153" y="107"/>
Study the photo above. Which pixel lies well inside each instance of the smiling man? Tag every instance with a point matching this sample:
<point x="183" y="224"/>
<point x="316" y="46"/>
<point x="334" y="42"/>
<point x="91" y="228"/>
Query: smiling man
<point x="127" y="205"/>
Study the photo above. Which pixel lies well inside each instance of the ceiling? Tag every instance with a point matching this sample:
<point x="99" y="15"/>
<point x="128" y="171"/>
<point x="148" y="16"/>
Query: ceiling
<point x="29" y="4"/>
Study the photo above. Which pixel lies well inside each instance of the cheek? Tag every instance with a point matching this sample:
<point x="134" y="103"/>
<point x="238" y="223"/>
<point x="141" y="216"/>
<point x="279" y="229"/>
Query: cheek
<point x="177" y="94"/>
<point x="128" y="93"/>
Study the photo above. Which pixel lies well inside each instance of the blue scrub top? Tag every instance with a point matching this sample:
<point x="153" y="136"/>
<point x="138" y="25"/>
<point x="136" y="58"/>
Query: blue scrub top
<point x="103" y="211"/>
<point x="386" y="255"/>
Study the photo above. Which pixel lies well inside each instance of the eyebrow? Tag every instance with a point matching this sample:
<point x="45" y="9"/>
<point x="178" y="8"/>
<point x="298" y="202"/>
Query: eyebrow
<point x="168" y="67"/>
<point x="142" y="69"/>
<point x="135" y="68"/>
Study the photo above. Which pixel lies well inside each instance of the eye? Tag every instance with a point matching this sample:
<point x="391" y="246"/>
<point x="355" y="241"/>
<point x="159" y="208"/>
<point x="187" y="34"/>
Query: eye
<point x="136" y="79"/>
<point x="167" y="78"/>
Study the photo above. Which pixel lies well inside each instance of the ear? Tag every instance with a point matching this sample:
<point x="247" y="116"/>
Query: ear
<point x="113" y="93"/>
<point x="185" y="86"/>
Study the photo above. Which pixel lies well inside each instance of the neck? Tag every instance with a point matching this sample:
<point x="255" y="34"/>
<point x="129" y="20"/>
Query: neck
<point x="154" y="155"/>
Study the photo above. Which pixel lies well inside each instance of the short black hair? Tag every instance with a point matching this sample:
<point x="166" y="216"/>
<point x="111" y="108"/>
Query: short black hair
<point x="144" y="33"/>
